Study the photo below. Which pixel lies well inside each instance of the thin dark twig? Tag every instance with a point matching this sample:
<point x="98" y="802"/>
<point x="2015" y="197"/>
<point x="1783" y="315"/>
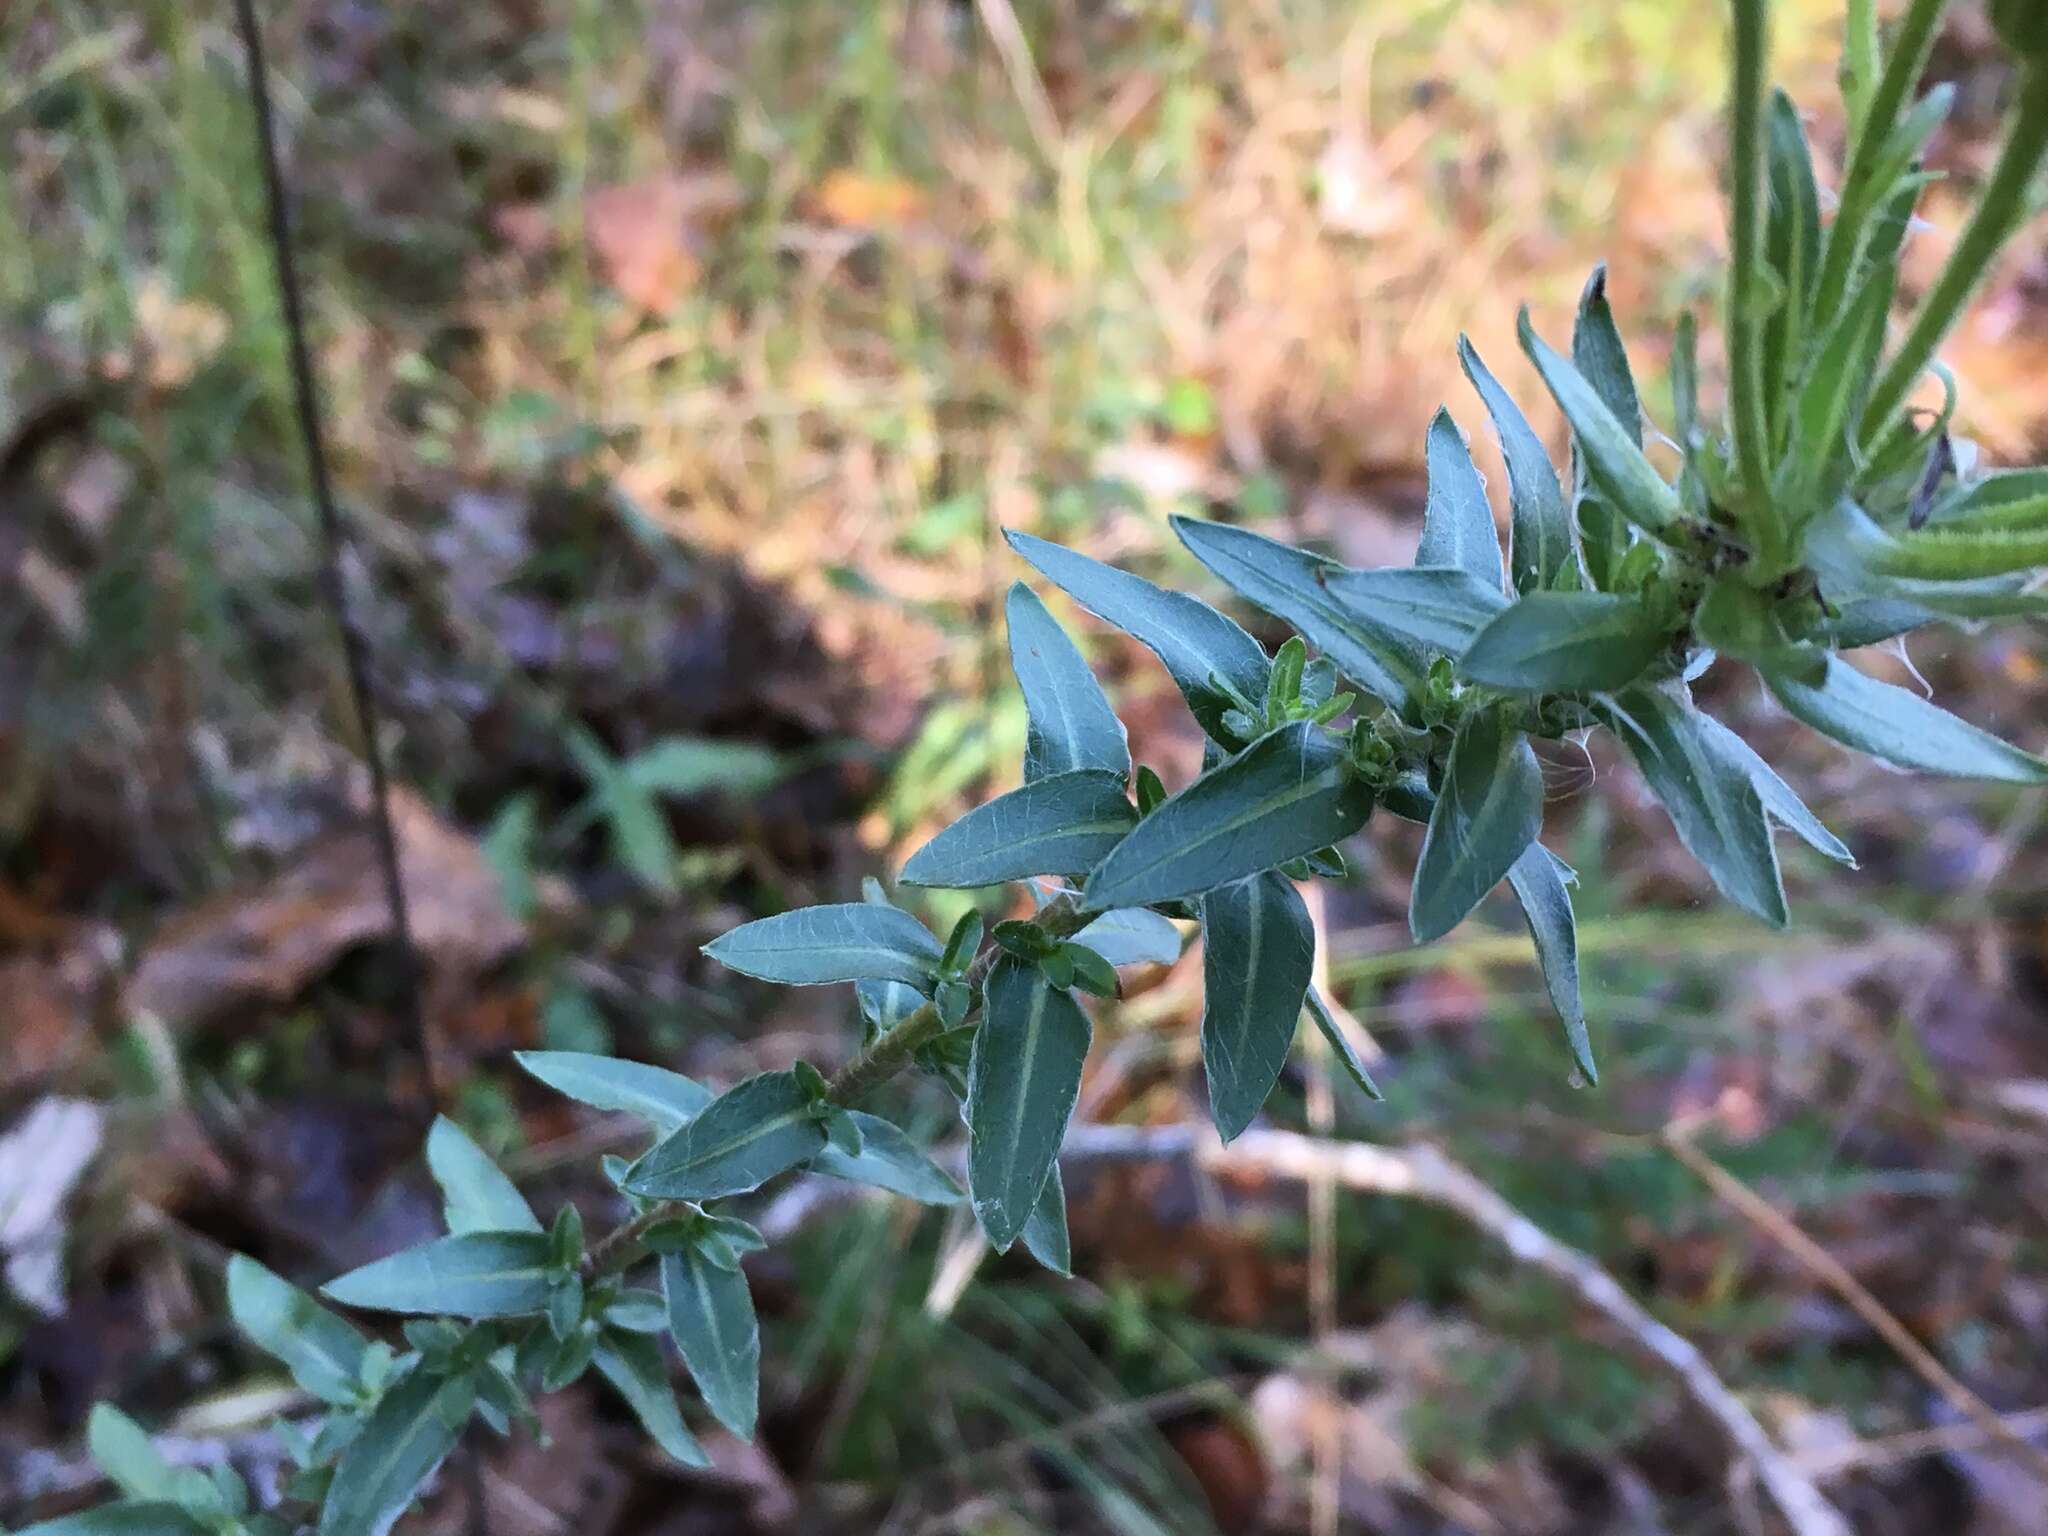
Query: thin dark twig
<point x="355" y="646"/>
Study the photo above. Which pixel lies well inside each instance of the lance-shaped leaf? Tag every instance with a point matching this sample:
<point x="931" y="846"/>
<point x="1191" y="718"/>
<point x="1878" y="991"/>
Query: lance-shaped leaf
<point x="1779" y="798"/>
<point x="132" y="1517"/>
<point x="849" y="941"/>
<point x="1901" y="727"/>
<point x="1021" y="1084"/>
<point x="1195" y="642"/>
<point x="1457" y="519"/>
<point x="1258" y="951"/>
<point x="1340" y="1045"/>
<point x="1792" y="247"/>
<point x="1070" y="722"/>
<point x="406" y="1437"/>
<point x="711" y="1315"/>
<point x="122" y="1449"/>
<point x="632" y="1363"/>
<point x="1132" y="936"/>
<point x="1598" y="352"/>
<point x="1626" y="480"/>
<point x="889" y="1160"/>
<point x="666" y="1100"/>
<point x="1045" y="1234"/>
<point x="1288" y="583"/>
<point x="2016" y="498"/>
<point x="1061" y="825"/>
<point x="1600" y="357"/>
<point x="1488" y="812"/>
<point x="474" y="1275"/>
<point x="1711" y="798"/>
<point x="1283" y="797"/>
<point x="323" y="1353"/>
<point x="1959" y="552"/>
<point x="1566" y="642"/>
<point x="743" y="1138"/>
<point x="1830" y="397"/>
<point x="1540" y="532"/>
<point x="1416" y="613"/>
<point x="476" y="1195"/>
<point x="1542" y="884"/>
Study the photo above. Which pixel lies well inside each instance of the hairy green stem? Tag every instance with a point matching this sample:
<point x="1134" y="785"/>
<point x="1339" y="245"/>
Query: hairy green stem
<point x="1750" y="421"/>
<point x="885" y="1056"/>
<point x="2002" y="207"/>
<point x="1860" y="191"/>
<point x="893" y="1048"/>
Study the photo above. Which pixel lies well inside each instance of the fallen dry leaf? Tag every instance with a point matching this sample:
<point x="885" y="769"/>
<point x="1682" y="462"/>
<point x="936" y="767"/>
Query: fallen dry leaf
<point x="267" y="944"/>
<point x="642" y="233"/>
<point x="859" y="201"/>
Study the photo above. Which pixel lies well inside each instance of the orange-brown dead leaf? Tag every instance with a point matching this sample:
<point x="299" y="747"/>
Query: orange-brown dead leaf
<point x="267" y="944"/>
<point x="859" y="201"/>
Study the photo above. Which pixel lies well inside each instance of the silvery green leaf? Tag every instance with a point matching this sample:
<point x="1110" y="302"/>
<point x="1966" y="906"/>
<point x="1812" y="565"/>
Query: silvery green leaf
<point x="1712" y="800"/>
<point x="571" y="1358"/>
<point x="1061" y="825"/>
<point x="1045" y="1233"/>
<point x="1283" y="797"/>
<point x="1901" y="727"/>
<point x="1021" y="1084"/>
<point x="889" y="1160"/>
<point x="1600" y="357"/>
<point x="711" y="1316"/>
<point x="1340" y="1046"/>
<point x="1488" y="812"/>
<point x="1566" y="642"/>
<point x="1071" y="724"/>
<point x="743" y="1138"/>
<point x="1416" y="613"/>
<point x="1289" y="584"/>
<point x="666" y="1100"/>
<point x="632" y="1363"/>
<point x="850" y="941"/>
<point x="403" y="1440"/>
<point x="1779" y="798"/>
<point x="474" y="1275"/>
<point x="1258" y="951"/>
<point x="1132" y="936"/>
<point x="1626" y="480"/>
<point x="322" y="1352"/>
<point x="1541" y="883"/>
<point x="636" y="1311"/>
<point x="1457" y="519"/>
<point x="1194" y="641"/>
<point x="122" y="1450"/>
<point x="151" y="1517"/>
<point x="1540" y="543"/>
<point x="476" y="1194"/>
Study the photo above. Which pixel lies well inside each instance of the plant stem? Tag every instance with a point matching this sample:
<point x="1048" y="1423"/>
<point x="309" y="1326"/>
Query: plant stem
<point x="889" y="1053"/>
<point x="2000" y="210"/>
<point x="1749" y="420"/>
<point x="1845" y="235"/>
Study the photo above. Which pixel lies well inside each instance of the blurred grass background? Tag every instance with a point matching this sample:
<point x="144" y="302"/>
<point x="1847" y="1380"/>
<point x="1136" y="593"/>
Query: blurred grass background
<point x="681" y="360"/>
